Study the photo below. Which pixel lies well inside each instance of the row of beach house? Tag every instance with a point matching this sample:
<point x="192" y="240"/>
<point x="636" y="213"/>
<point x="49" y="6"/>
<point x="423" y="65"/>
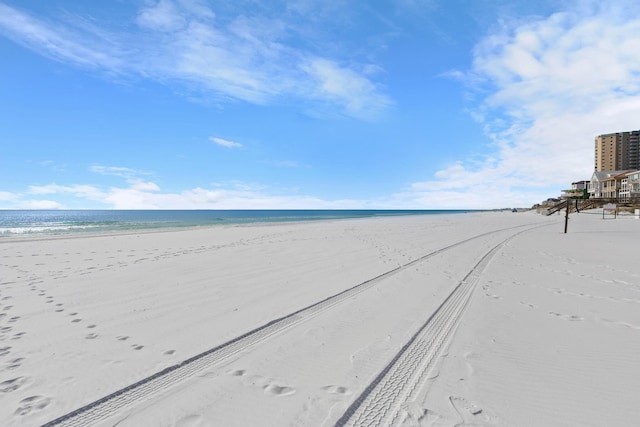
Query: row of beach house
<point x="622" y="185"/>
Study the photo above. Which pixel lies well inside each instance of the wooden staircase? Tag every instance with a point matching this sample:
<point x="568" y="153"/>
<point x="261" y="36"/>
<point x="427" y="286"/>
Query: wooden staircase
<point x="590" y="204"/>
<point x="558" y="207"/>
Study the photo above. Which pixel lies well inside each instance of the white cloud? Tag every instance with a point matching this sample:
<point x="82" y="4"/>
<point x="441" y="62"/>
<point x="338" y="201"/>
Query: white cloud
<point x="120" y="171"/>
<point x="161" y="17"/>
<point x="553" y="84"/>
<point x="148" y="195"/>
<point x="40" y="204"/>
<point x="255" y="58"/>
<point x="145" y="186"/>
<point x="197" y="8"/>
<point x="344" y="86"/>
<point x="133" y="198"/>
<point x="54" y="166"/>
<point x="60" y="42"/>
<point x="225" y="143"/>
<point x="6" y="196"/>
<point x="89" y="192"/>
<point x="240" y="195"/>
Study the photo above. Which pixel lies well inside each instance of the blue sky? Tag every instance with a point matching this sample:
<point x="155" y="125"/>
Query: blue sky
<point x="394" y="104"/>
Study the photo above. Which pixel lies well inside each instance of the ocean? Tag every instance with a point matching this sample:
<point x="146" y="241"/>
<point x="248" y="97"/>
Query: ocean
<point x="54" y="222"/>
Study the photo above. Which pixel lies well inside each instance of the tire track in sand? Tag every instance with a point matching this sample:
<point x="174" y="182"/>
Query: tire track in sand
<point x="113" y="403"/>
<point x="381" y="402"/>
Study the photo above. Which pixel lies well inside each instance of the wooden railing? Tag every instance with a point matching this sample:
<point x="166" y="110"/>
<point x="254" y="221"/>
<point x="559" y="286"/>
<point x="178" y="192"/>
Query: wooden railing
<point x="591" y="203"/>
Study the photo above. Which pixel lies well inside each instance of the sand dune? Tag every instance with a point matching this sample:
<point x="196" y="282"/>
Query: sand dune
<point x="477" y="319"/>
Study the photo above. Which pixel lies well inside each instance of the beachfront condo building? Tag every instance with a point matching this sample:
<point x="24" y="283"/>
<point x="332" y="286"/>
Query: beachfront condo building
<point x="617" y="151"/>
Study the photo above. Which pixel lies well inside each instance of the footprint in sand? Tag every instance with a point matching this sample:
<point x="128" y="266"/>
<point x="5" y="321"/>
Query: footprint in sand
<point x="14" y="364"/>
<point x="18" y="335"/>
<point x="32" y="403"/>
<point x="237" y="372"/>
<point x="11" y="385"/>
<point x="137" y="347"/>
<point x="569" y="317"/>
<point x="5" y="350"/>
<point x="193" y="420"/>
<point x="620" y="323"/>
<point x="276" y="390"/>
<point x="122" y="338"/>
<point x="169" y="352"/>
<point x="76" y="320"/>
<point x="337" y="389"/>
<point x="472" y="415"/>
<point x="528" y="304"/>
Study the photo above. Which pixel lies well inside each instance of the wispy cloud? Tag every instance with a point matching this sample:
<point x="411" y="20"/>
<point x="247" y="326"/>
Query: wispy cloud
<point x="82" y="191"/>
<point x="120" y="171"/>
<point x="148" y="195"/>
<point x="40" y="204"/>
<point x="54" y="166"/>
<point x="164" y="16"/>
<point x="60" y="42"/>
<point x="337" y="84"/>
<point x="257" y="59"/>
<point x="6" y="196"/>
<point x="225" y="143"/>
<point x="547" y="88"/>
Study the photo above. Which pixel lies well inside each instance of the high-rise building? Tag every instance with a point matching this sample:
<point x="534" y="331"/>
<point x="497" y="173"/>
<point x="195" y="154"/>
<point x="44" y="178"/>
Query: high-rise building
<point x="617" y="151"/>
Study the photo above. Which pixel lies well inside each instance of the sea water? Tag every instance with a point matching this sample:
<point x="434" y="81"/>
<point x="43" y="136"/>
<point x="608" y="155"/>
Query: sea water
<point x="33" y="222"/>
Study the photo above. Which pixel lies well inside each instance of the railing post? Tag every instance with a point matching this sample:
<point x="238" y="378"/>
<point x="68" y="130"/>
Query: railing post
<point x="566" y="218"/>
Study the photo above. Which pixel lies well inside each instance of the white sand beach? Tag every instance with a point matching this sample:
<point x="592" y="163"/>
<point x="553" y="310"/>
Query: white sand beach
<point x="491" y="319"/>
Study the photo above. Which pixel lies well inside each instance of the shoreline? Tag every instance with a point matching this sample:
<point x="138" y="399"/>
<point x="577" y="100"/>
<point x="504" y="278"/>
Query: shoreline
<point x="51" y="224"/>
<point x="43" y="236"/>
